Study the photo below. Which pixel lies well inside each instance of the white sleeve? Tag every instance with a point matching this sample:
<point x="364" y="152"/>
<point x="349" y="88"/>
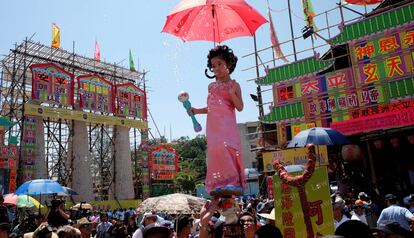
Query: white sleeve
<point x="137" y="234"/>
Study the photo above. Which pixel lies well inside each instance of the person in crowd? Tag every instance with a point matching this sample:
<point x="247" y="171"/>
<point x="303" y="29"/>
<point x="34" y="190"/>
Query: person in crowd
<point x="104" y="228"/>
<point x="268" y="231"/>
<point x="396" y="213"/>
<point x="68" y="232"/>
<point x="56" y="215"/>
<point x="4" y="214"/>
<point x="132" y="225"/>
<point x="270" y="217"/>
<point x="358" y="212"/>
<point x="84" y="226"/>
<point x="338" y="206"/>
<point x="391" y="230"/>
<point x="183" y="226"/>
<point x="248" y="222"/>
<point x="411" y="203"/>
<point x="155" y="230"/>
<point x="119" y="229"/>
<point x="44" y="230"/>
<point x="148" y="219"/>
<point x="353" y="229"/>
<point x="4" y="230"/>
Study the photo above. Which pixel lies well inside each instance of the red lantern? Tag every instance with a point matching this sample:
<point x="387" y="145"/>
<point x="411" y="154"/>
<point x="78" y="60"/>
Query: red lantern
<point x="378" y="144"/>
<point x="394" y="142"/>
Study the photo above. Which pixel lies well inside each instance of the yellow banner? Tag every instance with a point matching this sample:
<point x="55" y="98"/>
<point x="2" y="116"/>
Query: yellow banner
<point x="289" y="213"/>
<point x="296" y="156"/>
<point x="60" y="113"/>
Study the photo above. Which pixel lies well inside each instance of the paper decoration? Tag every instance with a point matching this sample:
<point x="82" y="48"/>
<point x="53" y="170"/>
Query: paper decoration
<point x="96" y="94"/>
<point x="131" y="101"/>
<point x="163" y="163"/>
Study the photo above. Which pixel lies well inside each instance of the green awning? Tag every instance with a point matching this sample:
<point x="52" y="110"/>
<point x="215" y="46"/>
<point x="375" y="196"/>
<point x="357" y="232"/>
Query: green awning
<point x="285" y="112"/>
<point x="308" y="66"/>
<point x="375" y="24"/>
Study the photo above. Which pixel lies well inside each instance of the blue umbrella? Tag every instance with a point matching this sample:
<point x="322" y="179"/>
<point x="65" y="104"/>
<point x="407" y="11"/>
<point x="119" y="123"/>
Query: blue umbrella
<point x="318" y="136"/>
<point x="39" y="187"/>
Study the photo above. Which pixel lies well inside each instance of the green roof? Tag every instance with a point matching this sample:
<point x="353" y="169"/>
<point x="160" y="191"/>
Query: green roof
<point x="285" y="112"/>
<point x="308" y="66"/>
<point x="375" y="24"/>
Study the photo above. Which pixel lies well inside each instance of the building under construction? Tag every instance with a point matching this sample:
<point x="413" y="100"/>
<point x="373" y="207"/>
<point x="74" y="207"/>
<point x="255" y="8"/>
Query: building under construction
<point x="74" y="119"/>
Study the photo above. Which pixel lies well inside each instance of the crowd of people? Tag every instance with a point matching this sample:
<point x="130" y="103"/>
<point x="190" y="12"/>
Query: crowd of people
<point x="354" y="216"/>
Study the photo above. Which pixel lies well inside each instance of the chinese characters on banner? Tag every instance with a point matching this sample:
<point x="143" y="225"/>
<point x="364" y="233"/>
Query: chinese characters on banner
<point x="52" y="84"/>
<point x="29" y="148"/>
<point x="95" y="93"/>
<point x="163" y="163"/>
<point x="131" y="101"/>
<point x="384" y="58"/>
<point x="289" y="215"/>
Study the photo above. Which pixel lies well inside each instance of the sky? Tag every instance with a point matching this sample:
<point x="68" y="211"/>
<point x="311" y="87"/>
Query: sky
<point x="172" y="66"/>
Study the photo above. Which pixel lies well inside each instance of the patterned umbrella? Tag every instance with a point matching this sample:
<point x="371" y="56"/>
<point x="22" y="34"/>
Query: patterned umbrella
<point x="21" y="200"/>
<point x="176" y="203"/>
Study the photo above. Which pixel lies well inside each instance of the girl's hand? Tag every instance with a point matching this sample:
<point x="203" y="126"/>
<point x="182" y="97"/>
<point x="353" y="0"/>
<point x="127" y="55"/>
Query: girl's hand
<point x="233" y="89"/>
<point x="208" y="210"/>
<point x="194" y="110"/>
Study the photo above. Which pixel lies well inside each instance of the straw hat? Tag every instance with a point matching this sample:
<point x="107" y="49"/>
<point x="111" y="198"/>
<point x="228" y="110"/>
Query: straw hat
<point x="81" y="222"/>
<point x="270" y="216"/>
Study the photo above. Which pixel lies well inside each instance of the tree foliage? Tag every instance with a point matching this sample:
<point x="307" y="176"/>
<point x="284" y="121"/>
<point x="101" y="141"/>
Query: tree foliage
<point x="192" y="161"/>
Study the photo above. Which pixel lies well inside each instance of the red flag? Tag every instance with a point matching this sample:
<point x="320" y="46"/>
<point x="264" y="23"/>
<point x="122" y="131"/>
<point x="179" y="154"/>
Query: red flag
<point x="275" y="41"/>
<point x="97" y="55"/>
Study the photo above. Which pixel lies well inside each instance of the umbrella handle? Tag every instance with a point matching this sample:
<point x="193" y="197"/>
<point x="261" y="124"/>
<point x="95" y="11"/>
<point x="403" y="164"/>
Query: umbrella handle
<point x="208" y="76"/>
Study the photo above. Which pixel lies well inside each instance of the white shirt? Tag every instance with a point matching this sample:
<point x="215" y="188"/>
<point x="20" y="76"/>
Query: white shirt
<point x="338" y="223"/>
<point x="361" y="218"/>
<point x="137" y="234"/>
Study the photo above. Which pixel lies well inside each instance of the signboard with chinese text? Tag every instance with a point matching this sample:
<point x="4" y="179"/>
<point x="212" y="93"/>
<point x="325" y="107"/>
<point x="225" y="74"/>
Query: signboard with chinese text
<point x="289" y="214"/>
<point x="131" y="101"/>
<point x="29" y="148"/>
<point x="295" y="156"/>
<point x="163" y="163"/>
<point x="379" y="79"/>
<point x="95" y="93"/>
<point x="52" y="84"/>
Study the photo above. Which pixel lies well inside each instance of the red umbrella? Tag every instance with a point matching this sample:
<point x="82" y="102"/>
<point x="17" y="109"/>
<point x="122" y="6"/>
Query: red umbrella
<point x="213" y="20"/>
<point x="363" y="2"/>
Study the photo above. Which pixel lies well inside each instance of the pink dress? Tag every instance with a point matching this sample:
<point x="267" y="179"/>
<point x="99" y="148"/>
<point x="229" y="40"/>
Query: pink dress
<point x="225" y="169"/>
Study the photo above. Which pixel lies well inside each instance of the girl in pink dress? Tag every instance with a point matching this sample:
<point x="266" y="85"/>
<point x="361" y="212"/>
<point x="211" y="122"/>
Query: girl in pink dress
<point x="225" y="170"/>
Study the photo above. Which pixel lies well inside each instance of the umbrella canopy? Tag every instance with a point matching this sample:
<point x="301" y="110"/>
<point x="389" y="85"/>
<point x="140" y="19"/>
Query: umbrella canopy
<point x="213" y="20"/>
<point x="68" y="192"/>
<point x="176" y="203"/>
<point x="40" y="186"/>
<point x="363" y="2"/>
<point x="21" y="200"/>
<point x="86" y="206"/>
<point x="318" y="136"/>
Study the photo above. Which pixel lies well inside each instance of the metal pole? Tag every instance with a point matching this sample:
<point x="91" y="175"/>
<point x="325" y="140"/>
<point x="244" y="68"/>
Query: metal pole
<point x="291" y="31"/>
<point x="258" y="89"/>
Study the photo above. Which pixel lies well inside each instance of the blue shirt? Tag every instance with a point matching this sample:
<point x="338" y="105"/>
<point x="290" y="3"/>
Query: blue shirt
<point x="398" y="214"/>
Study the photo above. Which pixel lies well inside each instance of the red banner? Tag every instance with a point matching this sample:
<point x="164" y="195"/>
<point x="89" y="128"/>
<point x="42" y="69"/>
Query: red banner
<point x="163" y="163"/>
<point x="404" y="117"/>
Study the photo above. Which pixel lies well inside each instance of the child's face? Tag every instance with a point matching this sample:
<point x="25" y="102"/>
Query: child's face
<point x="219" y="66"/>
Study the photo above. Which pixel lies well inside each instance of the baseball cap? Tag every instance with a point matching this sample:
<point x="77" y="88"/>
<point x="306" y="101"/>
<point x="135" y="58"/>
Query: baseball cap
<point x="389" y="196"/>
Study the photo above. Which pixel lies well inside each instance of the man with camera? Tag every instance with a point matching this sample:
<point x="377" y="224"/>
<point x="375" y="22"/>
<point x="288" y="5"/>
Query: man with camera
<point x="56" y="215"/>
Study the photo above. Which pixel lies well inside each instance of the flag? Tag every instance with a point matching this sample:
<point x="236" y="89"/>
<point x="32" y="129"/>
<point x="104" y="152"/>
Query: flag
<point x="55" y="36"/>
<point x="97" y="55"/>
<point x="275" y="40"/>
<point x="131" y="61"/>
<point x="309" y="14"/>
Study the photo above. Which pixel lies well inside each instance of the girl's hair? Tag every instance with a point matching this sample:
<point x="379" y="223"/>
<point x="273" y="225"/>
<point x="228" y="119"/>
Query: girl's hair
<point x="226" y="54"/>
